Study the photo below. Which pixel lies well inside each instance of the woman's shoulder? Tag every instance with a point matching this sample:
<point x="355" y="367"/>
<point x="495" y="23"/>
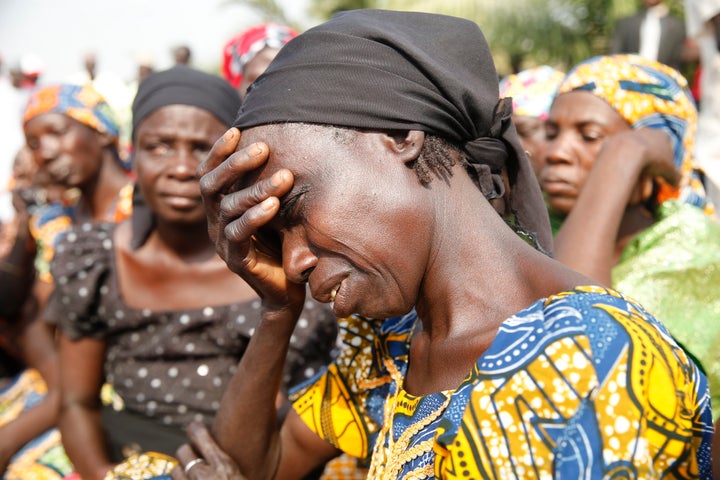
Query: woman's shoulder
<point x="598" y="313"/>
<point x="81" y="272"/>
<point x="86" y="242"/>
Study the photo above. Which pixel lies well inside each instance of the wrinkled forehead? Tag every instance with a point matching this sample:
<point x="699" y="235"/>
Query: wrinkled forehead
<point x="309" y="151"/>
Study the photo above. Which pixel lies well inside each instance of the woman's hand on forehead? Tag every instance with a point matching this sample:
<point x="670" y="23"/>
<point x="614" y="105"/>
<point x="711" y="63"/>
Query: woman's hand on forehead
<point x="237" y="218"/>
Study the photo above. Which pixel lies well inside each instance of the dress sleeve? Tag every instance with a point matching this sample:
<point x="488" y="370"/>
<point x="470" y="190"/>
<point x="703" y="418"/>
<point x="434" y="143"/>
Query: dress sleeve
<point x="81" y="269"/>
<point x="344" y="403"/>
<point x="47" y="225"/>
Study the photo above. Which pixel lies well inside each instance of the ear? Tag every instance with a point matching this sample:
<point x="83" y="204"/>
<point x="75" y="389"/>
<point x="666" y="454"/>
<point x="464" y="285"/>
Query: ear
<point x="404" y="144"/>
<point x="106" y="139"/>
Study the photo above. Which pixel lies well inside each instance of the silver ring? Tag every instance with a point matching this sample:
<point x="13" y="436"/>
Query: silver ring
<point x="191" y="464"/>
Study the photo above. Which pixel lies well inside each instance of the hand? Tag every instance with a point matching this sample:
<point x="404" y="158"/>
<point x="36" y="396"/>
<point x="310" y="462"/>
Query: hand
<point x="4" y="461"/>
<point x="236" y="218"/>
<point x="211" y="464"/>
<point x="638" y="160"/>
<point x="651" y="147"/>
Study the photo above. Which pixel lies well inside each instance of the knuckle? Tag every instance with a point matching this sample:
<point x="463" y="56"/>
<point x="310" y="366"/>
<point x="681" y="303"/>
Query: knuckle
<point x="234" y="230"/>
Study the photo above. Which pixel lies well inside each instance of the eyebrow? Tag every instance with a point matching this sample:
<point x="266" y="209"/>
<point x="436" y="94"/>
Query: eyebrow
<point x="580" y="124"/>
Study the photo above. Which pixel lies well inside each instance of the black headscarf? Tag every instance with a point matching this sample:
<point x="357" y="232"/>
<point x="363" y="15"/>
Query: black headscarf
<point x="182" y="85"/>
<point x="379" y="69"/>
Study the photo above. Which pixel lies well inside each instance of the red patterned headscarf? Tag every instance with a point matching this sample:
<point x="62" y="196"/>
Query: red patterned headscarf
<point x="243" y="47"/>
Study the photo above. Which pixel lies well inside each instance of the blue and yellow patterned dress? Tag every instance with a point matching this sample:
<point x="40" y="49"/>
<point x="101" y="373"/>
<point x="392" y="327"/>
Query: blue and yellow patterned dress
<point x="583" y="384"/>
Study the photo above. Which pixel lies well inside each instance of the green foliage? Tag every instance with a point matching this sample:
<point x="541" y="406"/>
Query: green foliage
<point x="522" y="32"/>
<point x="268" y="9"/>
<point x="326" y="9"/>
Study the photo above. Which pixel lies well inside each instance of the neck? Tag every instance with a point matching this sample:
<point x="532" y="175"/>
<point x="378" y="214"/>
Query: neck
<point x="659" y="10"/>
<point x="483" y="272"/>
<point x="188" y="241"/>
<point x="100" y="194"/>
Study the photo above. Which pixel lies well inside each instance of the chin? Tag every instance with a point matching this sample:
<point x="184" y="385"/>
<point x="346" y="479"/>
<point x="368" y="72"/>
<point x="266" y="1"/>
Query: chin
<point x="561" y="208"/>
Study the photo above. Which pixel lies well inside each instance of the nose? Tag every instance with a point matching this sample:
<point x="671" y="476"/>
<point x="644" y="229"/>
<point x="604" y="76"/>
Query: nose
<point x="48" y="149"/>
<point x="558" y="150"/>
<point x="298" y="259"/>
<point x="185" y="164"/>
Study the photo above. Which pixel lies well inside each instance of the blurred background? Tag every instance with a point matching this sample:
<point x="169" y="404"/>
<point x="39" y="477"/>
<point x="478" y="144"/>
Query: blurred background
<point x="56" y="35"/>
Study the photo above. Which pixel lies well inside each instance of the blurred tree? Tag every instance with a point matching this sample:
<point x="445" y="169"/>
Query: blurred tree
<point x="522" y="32"/>
<point x="326" y="9"/>
<point x="268" y="9"/>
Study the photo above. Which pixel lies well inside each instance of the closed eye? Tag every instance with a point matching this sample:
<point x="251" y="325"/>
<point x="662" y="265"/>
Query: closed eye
<point x="291" y="207"/>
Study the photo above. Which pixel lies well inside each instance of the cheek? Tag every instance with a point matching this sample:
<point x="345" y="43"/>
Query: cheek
<point x="83" y="147"/>
<point x="390" y="237"/>
<point x="586" y="160"/>
<point x="146" y="176"/>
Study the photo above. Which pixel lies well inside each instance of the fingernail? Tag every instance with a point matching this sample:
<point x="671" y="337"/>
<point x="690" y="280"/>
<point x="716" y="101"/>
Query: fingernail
<point x="256" y="149"/>
<point x="268" y="204"/>
<point x="277" y="178"/>
<point x="229" y="135"/>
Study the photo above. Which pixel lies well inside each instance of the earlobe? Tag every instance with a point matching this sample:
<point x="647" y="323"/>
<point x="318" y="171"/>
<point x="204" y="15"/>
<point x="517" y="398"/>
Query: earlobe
<point x="106" y="140"/>
<point x="406" y="144"/>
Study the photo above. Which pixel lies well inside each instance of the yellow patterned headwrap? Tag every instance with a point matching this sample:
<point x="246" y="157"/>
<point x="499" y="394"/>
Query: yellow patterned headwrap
<point x="80" y="102"/>
<point x="647" y="94"/>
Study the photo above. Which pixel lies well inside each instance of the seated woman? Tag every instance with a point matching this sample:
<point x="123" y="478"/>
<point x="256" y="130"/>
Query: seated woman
<point x="73" y="137"/>
<point x="532" y="92"/>
<point x="16" y="275"/>
<point x="620" y="170"/>
<point x="148" y="307"/>
<point x="375" y="162"/>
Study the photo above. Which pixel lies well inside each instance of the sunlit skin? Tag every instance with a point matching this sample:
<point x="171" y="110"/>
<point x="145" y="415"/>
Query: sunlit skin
<point x="289" y="204"/>
<point x="531" y="131"/>
<point x="67" y="150"/>
<point x="578" y="125"/>
<point x="170" y="144"/>
<point x="324" y="242"/>
<point x="255" y="67"/>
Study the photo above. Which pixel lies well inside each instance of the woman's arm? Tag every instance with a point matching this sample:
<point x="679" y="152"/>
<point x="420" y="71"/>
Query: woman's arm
<point x="17" y="271"/>
<point x="39" y="352"/>
<point x="37" y="347"/>
<point x="246" y="425"/>
<point x="81" y="378"/>
<point x="619" y="179"/>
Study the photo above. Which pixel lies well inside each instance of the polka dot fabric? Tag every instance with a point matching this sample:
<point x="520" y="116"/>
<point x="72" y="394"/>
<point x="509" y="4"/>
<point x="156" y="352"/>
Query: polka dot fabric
<point x="173" y="365"/>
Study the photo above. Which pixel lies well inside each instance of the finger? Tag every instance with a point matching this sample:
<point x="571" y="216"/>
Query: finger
<point x="235" y="204"/>
<point x="242" y="229"/>
<point x="177" y="473"/>
<point x="205" y="444"/>
<point x="185" y="454"/>
<point x="220" y="180"/>
<point x="221" y="149"/>
<point x="232" y="168"/>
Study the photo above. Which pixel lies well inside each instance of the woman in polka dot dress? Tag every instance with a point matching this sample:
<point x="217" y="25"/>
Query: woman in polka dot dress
<point x="152" y="321"/>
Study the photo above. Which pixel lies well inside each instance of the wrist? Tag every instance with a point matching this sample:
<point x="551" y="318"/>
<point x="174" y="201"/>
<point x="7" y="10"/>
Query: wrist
<point x="103" y="472"/>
